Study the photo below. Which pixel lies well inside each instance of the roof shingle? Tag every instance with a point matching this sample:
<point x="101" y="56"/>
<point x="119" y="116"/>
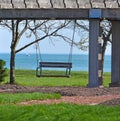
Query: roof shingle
<point x="59" y="3"/>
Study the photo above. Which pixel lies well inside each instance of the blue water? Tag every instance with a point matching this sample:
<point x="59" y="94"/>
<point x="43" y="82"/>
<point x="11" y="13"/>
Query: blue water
<point x="80" y="62"/>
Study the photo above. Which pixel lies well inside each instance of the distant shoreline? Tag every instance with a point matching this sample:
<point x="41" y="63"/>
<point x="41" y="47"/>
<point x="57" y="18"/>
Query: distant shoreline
<point x="29" y="61"/>
<point x="54" y="53"/>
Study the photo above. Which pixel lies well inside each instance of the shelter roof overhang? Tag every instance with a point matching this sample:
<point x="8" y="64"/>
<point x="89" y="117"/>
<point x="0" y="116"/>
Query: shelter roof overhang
<point x="60" y="9"/>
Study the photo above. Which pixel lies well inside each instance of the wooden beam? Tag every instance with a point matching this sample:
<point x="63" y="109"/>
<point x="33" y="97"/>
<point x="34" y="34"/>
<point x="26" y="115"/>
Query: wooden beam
<point x="94" y="51"/>
<point x="44" y="13"/>
<point x="68" y="13"/>
<point x="111" y="13"/>
<point x="115" y="54"/>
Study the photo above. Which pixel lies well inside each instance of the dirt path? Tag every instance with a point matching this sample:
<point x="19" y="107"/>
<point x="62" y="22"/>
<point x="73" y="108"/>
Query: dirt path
<point x="92" y="100"/>
<point x="81" y="100"/>
<point x="70" y="94"/>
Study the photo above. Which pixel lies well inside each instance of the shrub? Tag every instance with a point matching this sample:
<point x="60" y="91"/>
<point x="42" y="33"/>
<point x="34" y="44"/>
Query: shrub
<point x="3" y="72"/>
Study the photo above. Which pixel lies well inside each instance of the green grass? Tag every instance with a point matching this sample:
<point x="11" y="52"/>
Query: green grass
<point x="27" y="77"/>
<point x="10" y="111"/>
<point x="59" y="112"/>
<point x="107" y="78"/>
<point x="19" y="97"/>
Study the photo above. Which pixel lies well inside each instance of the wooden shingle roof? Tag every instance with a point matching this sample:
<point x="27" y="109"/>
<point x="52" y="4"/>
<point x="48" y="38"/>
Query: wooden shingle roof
<point x="59" y="4"/>
<point x="60" y="9"/>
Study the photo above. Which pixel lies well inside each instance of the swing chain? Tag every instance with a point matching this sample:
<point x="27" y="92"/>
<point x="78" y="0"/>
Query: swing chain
<point x="72" y="43"/>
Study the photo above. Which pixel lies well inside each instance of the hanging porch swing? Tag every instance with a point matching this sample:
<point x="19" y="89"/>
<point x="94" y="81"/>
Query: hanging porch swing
<point x="43" y="64"/>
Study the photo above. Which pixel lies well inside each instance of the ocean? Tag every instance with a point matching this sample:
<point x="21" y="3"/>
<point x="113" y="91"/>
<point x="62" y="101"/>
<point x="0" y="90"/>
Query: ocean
<point x="29" y="61"/>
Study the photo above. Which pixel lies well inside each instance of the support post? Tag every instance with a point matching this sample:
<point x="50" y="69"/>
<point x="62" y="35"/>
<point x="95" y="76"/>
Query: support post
<point x="95" y="72"/>
<point x="115" y="71"/>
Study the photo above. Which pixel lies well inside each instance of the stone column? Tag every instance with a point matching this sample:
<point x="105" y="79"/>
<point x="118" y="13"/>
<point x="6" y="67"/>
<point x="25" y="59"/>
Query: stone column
<point x="95" y="53"/>
<point x="115" y="71"/>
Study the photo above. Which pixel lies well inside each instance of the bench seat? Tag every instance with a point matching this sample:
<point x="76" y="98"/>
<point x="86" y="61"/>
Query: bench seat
<point x="66" y="65"/>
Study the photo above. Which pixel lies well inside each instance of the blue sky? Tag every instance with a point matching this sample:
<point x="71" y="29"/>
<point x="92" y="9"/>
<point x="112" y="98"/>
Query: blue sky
<point x="56" y="47"/>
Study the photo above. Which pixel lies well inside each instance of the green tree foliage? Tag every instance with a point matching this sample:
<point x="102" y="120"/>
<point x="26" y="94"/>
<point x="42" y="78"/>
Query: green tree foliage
<point x="3" y="72"/>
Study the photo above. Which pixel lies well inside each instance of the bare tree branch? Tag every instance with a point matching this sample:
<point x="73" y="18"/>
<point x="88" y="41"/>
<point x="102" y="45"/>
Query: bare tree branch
<point x="47" y="35"/>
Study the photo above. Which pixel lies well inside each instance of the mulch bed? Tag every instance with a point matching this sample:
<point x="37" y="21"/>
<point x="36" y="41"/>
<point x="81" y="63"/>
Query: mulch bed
<point x="69" y="91"/>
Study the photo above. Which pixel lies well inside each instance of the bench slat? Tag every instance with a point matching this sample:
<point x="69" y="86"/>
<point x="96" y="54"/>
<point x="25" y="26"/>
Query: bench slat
<point x="66" y="65"/>
<point x="56" y="64"/>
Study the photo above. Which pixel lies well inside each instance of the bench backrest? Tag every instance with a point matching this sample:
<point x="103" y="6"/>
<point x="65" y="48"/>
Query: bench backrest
<point x="56" y="64"/>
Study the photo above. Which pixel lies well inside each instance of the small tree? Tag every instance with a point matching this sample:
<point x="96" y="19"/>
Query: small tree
<point x="3" y="72"/>
<point x="39" y="29"/>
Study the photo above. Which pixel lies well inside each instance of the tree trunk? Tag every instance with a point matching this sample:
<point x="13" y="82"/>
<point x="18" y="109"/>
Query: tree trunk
<point x="12" y="66"/>
<point x="103" y="54"/>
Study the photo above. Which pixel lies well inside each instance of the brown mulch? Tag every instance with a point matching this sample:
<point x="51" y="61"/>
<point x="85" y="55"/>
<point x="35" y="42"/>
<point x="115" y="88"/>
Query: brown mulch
<point x="77" y="95"/>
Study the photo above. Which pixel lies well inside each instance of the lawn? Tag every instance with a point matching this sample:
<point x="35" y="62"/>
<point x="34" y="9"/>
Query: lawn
<point x="11" y="111"/>
<point x="6" y="98"/>
<point x="28" y="77"/>
<point x="59" y="112"/>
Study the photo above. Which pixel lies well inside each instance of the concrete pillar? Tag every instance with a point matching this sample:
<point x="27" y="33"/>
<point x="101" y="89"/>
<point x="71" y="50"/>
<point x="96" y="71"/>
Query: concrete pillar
<point x="94" y="53"/>
<point x="115" y="71"/>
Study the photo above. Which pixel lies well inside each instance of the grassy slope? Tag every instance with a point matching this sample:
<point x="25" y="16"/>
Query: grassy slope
<point x="19" y="97"/>
<point x="27" y="77"/>
<point x="59" y="112"/>
<point x="56" y="112"/>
